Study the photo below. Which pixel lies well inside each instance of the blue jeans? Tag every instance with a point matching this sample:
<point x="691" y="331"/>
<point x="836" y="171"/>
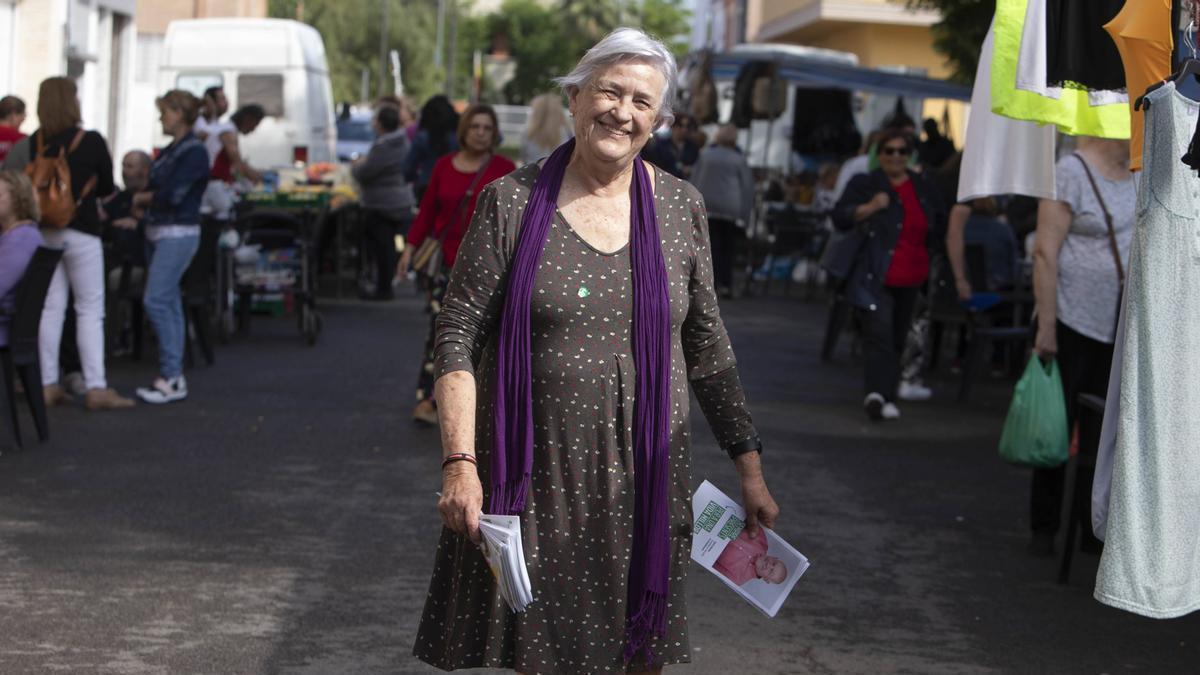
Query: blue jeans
<point x="167" y="260"/>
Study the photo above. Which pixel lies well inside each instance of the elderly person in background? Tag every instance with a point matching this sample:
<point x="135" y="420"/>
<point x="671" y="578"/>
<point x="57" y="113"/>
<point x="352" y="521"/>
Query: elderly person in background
<point x="172" y="204"/>
<point x="19" y="239"/>
<point x="575" y="275"/>
<point x="677" y="152"/>
<point x="897" y="217"/>
<point x="723" y="178"/>
<point x="547" y="129"/>
<point x="126" y="259"/>
<point x="387" y="199"/>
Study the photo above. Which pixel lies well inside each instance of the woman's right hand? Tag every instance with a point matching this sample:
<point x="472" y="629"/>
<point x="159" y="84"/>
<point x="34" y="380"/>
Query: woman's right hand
<point x="880" y="201"/>
<point x="1045" y="345"/>
<point x="404" y="263"/>
<point x="964" y="289"/>
<point x="461" y="502"/>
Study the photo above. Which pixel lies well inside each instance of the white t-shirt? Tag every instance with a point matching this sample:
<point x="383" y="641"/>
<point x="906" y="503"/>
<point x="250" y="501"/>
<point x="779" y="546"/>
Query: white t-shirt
<point x="212" y="138"/>
<point x="1001" y="155"/>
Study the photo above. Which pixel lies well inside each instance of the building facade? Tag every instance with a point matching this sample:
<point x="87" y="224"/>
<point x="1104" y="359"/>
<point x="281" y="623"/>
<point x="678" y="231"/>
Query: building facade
<point x="110" y="48"/>
<point x="91" y="41"/>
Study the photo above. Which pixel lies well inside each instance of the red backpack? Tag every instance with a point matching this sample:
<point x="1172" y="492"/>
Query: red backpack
<point x="51" y="178"/>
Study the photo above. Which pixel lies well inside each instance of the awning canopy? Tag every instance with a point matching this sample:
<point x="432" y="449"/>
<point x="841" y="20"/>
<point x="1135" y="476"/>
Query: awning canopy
<point x="824" y="72"/>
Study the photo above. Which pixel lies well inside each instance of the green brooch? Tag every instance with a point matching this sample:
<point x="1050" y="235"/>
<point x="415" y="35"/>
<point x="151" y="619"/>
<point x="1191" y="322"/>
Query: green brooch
<point x="584" y="292"/>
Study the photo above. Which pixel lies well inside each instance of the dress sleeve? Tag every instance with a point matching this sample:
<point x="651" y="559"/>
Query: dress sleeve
<point x="711" y="366"/>
<point x="475" y="297"/>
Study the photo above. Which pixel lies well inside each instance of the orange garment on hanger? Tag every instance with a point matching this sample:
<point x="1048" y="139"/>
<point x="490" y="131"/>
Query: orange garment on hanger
<point x="1142" y="31"/>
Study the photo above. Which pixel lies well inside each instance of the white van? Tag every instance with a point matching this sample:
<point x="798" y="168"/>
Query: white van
<point x="276" y="63"/>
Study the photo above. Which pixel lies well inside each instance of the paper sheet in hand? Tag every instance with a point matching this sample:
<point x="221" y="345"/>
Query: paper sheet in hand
<point x="762" y="570"/>
<point x="503" y="550"/>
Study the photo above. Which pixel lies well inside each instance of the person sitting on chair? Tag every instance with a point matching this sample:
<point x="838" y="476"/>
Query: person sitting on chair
<point x="19" y="239"/>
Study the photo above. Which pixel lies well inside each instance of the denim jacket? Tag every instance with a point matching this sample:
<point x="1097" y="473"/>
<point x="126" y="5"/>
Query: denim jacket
<point x="178" y="179"/>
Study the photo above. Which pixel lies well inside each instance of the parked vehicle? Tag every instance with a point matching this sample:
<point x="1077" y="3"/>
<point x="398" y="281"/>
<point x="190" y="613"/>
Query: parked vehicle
<point x="800" y="70"/>
<point x="277" y="63"/>
<point x="354" y="135"/>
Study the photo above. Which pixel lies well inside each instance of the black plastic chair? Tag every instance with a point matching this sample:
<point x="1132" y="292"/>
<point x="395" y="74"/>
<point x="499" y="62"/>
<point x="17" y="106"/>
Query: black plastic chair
<point x="197" y="286"/>
<point x="20" y="357"/>
<point x="1081" y="469"/>
<point x="981" y="332"/>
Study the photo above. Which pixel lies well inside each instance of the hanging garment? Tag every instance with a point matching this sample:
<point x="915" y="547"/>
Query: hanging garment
<point x="1151" y="561"/>
<point x="1081" y="55"/>
<point x="1002" y="155"/>
<point x="743" y="92"/>
<point x="823" y="123"/>
<point x="1034" y="55"/>
<point x="1142" y="32"/>
<point x="703" y="104"/>
<point x="1072" y="113"/>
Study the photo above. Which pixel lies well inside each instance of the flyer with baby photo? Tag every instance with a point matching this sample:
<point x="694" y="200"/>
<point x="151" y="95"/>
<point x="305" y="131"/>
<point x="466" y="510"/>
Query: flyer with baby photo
<point x="762" y="569"/>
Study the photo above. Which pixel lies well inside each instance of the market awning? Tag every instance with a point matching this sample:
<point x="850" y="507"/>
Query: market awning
<point x="824" y="72"/>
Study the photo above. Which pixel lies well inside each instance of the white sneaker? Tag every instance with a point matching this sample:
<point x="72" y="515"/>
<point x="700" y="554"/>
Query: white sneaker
<point x="890" y="411"/>
<point x="874" y="405"/>
<point x="914" y="391"/>
<point x="164" y="390"/>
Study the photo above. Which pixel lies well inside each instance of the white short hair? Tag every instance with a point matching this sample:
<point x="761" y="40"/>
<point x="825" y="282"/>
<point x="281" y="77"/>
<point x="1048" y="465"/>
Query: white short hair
<point x="625" y="45"/>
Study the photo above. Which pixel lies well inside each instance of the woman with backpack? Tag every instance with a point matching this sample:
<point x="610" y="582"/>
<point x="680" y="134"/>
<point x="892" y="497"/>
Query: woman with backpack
<point x="71" y="168"/>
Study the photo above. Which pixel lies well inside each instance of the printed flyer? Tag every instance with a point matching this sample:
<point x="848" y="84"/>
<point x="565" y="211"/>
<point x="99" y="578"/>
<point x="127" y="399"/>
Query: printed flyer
<point x="762" y="569"/>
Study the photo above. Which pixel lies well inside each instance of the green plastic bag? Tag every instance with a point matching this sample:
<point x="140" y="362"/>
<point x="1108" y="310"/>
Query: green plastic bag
<point x="1035" y="431"/>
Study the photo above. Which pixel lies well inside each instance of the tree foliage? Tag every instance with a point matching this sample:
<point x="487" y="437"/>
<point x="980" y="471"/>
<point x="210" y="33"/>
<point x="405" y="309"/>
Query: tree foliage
<point x="960" y="33"/>
<point x="545" y="39"/>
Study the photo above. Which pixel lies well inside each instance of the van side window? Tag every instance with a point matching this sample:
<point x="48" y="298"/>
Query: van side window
<point x="265" y="90"/>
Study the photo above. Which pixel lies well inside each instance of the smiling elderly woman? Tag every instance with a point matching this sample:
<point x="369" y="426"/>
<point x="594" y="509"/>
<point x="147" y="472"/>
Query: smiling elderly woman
<point x="580" y="307"/>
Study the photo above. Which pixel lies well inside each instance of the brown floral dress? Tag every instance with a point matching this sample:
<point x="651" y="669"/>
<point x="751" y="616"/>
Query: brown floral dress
<point x="578" y="523"/>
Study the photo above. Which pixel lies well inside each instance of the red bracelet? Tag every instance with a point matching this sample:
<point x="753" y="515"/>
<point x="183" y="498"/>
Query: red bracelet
<point x="459" y="457"/>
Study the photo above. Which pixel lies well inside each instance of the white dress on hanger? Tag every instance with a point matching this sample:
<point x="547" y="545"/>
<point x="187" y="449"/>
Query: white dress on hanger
<point x="1151" y="560"/>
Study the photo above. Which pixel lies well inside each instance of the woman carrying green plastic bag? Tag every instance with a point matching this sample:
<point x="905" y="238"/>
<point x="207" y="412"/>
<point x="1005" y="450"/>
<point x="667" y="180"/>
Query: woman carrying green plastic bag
<point x="1035" y="431"/>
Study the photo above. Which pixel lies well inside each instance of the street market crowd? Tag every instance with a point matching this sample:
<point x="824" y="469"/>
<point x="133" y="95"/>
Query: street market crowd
<point x="900" y="250"/>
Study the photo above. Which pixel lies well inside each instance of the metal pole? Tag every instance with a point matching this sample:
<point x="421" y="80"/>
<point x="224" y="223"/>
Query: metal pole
<point x="441" y="35"/>
<point x="364" y="87"/>
<point x="383" y="41"/>
<point x="453" y="47"/>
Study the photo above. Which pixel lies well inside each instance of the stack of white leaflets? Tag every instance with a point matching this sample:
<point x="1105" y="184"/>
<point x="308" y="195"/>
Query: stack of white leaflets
<point x="503" y="550"/>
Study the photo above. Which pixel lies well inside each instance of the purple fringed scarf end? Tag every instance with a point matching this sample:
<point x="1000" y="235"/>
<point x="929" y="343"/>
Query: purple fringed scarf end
<point x="508" y="498"/>
<point x="650" y="621"/>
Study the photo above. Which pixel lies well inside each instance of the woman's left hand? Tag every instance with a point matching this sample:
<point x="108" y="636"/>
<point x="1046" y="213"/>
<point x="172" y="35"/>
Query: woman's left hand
<point x="761" y="508"/>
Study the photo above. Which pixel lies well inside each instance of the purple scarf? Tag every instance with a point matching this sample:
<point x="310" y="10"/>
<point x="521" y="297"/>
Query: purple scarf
<point x="512" y="454"/>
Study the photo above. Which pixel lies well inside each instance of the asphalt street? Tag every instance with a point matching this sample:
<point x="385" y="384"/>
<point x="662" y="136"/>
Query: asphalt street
<point x="282" y="520"/>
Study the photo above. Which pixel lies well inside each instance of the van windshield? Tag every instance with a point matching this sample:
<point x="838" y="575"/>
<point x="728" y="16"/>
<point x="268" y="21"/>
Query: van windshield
<point x="355" y="130"/>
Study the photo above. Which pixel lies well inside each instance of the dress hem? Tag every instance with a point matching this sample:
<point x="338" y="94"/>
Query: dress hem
<point x="1136" y="608"/>
<point x="510" y="666"/>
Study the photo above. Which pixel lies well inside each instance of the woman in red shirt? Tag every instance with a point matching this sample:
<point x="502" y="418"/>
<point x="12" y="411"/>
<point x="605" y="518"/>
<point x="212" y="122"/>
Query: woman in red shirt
<point x="446" y="210"/>
<point x="895" y="216"/>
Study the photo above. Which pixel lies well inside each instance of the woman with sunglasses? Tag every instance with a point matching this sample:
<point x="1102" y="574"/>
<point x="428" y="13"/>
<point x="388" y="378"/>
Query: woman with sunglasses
<point x="897" y="216"/>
